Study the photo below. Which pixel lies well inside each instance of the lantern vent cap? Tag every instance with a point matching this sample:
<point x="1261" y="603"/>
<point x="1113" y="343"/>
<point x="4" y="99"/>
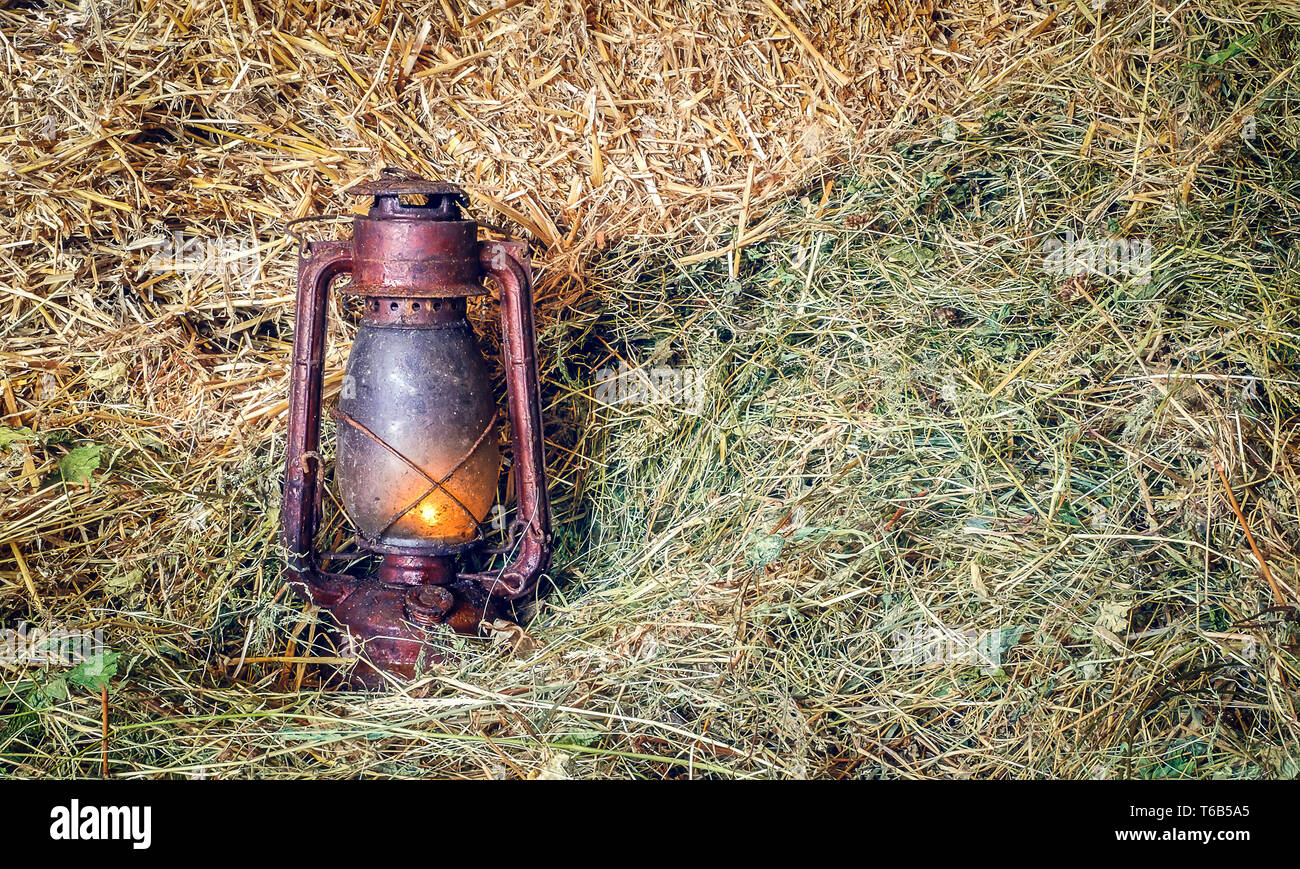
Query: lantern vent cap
<point x="395" y="187"/>
<point x="411" y="187"/>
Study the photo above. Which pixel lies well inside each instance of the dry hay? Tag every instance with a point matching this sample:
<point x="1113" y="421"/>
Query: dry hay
<point x="906" y="426"/>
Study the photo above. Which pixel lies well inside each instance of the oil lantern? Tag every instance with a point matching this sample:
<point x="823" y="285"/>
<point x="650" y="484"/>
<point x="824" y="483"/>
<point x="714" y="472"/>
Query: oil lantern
<point x="418" y="459"/>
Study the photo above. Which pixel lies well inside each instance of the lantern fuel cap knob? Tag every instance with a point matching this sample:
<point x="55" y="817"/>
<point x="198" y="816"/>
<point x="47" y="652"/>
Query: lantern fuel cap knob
<point x="429" y="605"/>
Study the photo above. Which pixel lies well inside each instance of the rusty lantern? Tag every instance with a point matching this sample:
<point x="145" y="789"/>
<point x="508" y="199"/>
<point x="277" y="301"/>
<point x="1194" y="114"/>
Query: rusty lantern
<point x="418" y="459"/>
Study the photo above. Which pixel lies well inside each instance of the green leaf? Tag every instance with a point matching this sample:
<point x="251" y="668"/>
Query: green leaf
<point x="50" y="692"/>
<point x="9" y="436"/>
<point x="584" y="738"/>
<point x="1236" y="48"/>
<point x="95" y="672"/>
<point x="77" y="466"/>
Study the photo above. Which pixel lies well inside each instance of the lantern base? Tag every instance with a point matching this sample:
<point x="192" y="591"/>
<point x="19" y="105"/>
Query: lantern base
<point x="389" y="620"/>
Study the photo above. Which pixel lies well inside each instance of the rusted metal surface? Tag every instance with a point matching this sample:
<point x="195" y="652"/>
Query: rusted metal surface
<point x="507" y="263"/>
<point x="414" y="251"/>
<point x="414" y="259"/>
<point x="395" y="183"/>
<point x="380" y="311"/>
<point x="387" y="626"/>
<point x="414" y="570"/>
<point x="318" y="264"/>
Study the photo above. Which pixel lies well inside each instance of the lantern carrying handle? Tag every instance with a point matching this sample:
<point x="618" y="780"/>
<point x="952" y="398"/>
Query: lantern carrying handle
<point x="319" y="263"/>
<point x="507" y="263"/>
